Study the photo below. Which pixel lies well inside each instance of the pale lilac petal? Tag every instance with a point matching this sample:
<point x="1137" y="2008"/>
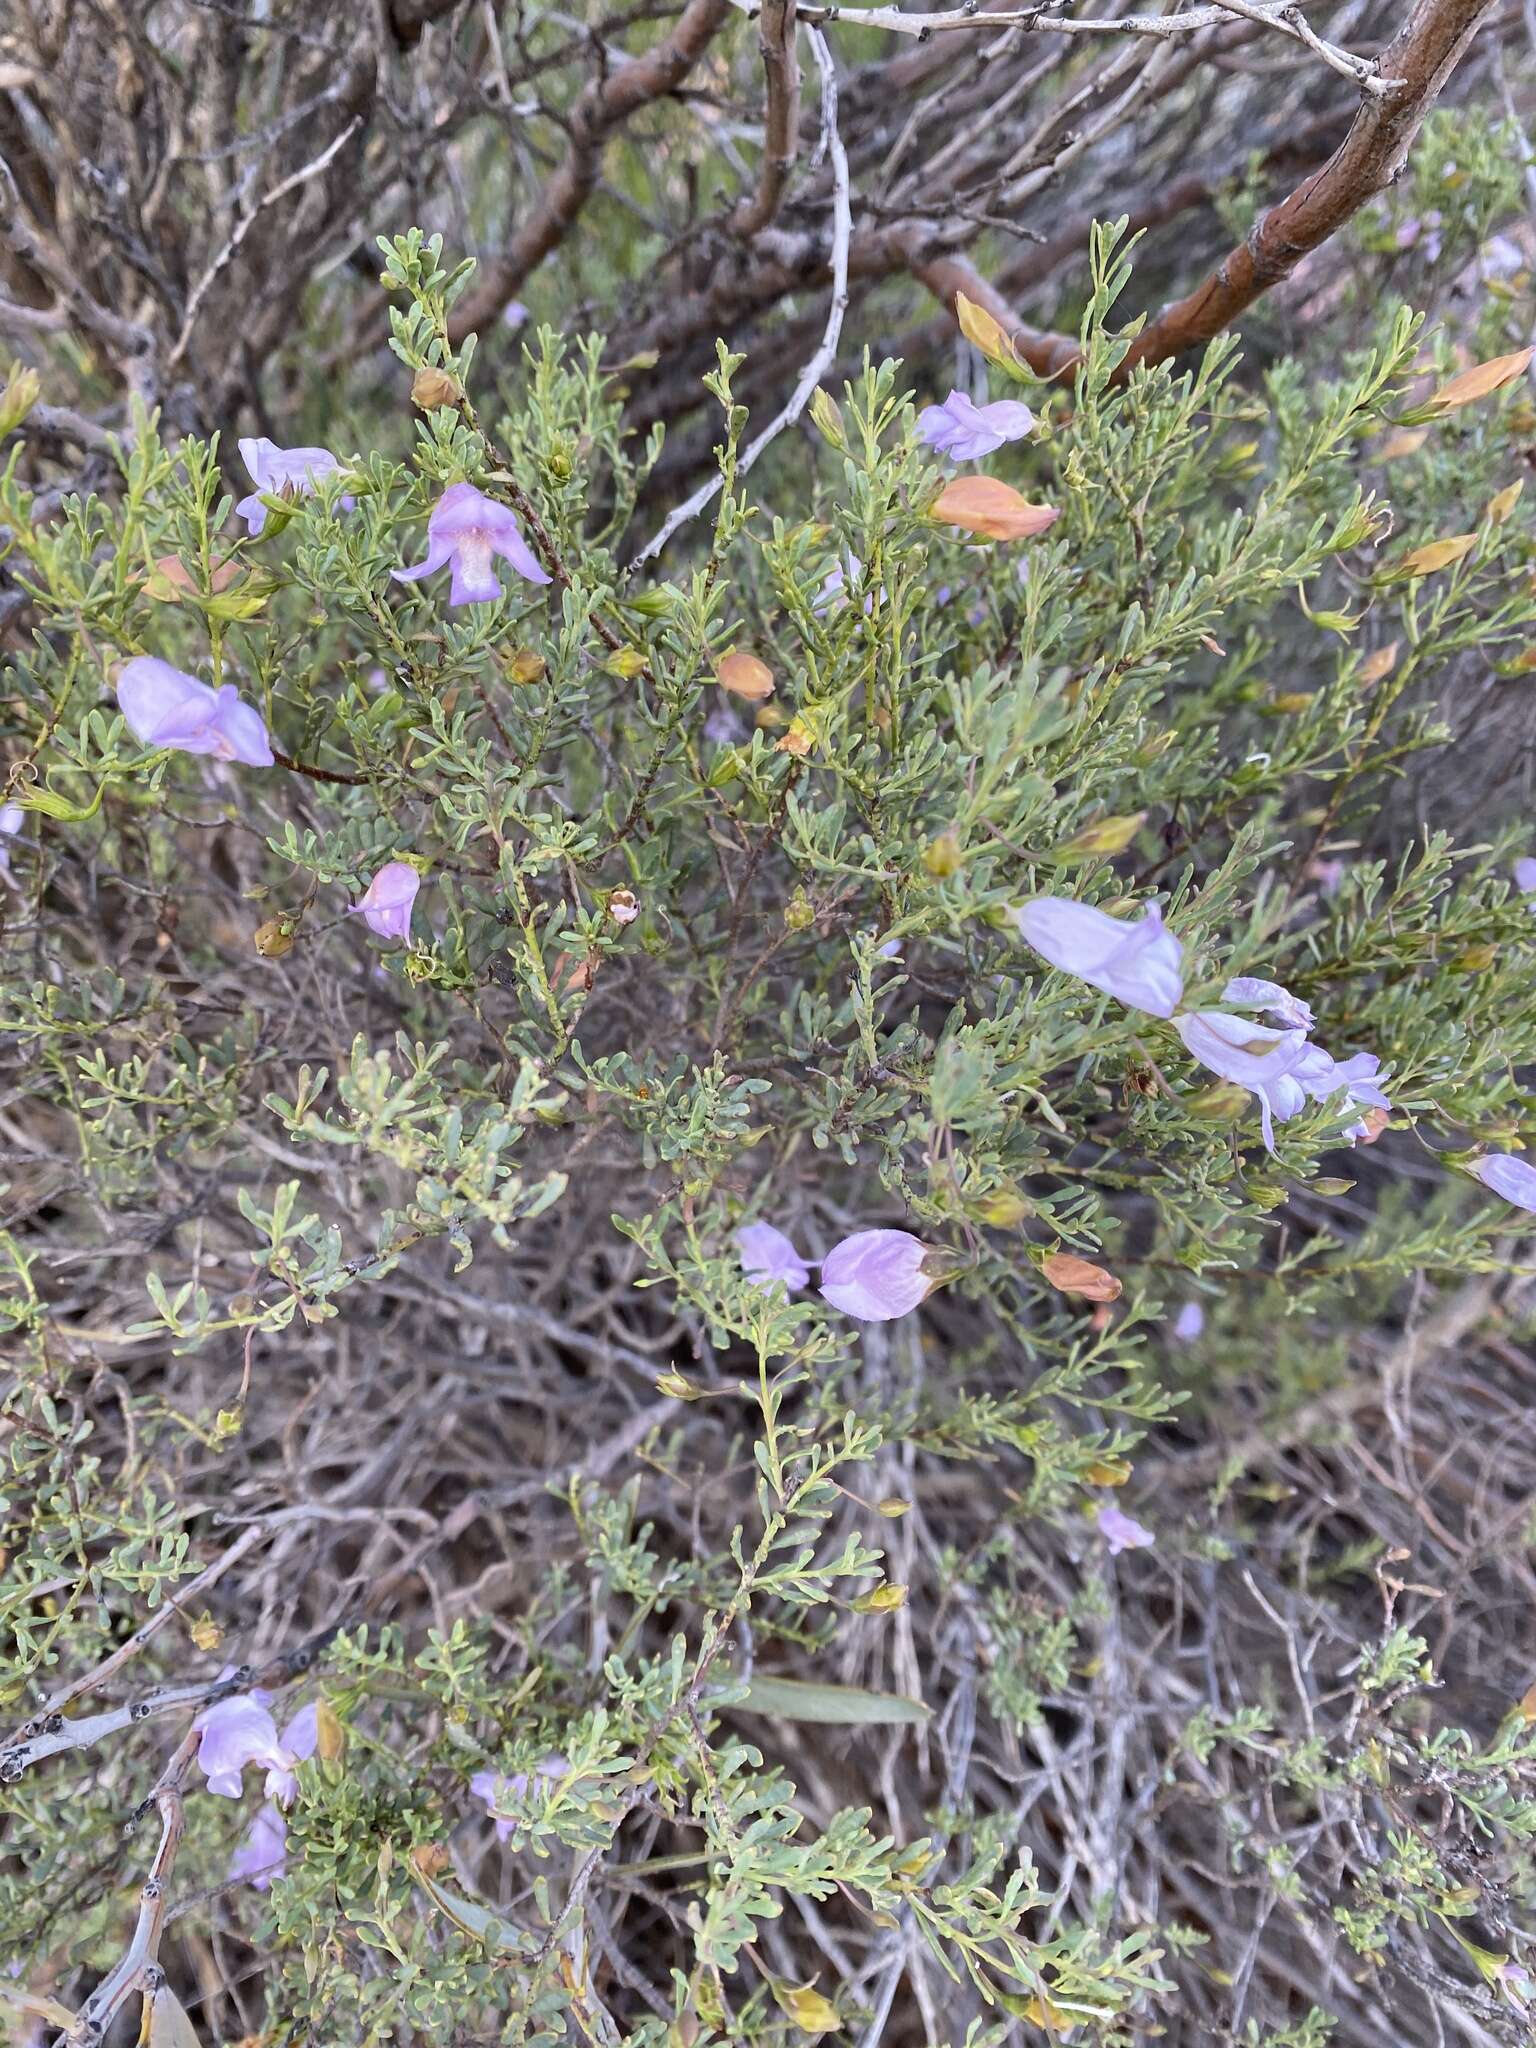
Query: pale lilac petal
<point x="474" y="579"/>
<point x="1139" y="964"/>
<point x="462" y="509"/>
<point x="1525" y="874"/>
<point x="1120" y="1532"/>
<point x="1189" y="1322"/>
<point x="438" y="552"/>
<point x="965" y="431"/>
<point x="1252" y="1055"/>
<point x="508" y="542"/>
<point x="1321" y="1076"/>
<point x="165" y="708"/>
<point x="385" y="906"/>
<point x="767" y="1256"/>
<point x="1514" y="1179"/>
<point x="236" y="1732"/>
<point x="299" y="1738"/>
<point x="876" y="1275"/>
<point x="263" y="1851"/>
<point x="1248" y="992"/>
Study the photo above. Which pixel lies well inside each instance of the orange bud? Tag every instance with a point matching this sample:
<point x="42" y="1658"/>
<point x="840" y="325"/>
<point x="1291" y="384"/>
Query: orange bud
<point x="1069" y="1274"/>
<point x="744" y="676"/>
<point x="986" y="505"/>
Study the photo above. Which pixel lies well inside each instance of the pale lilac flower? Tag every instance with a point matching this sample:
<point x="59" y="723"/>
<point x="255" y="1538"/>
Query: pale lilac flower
<point x="1501" y="256"/>
<point x="1120" y="1532"/>
<point x="263" y="1850"/>
<point x="965" y="431"/>
<point x="876" y="1275"/>
<point x="891" y="950"/>
<point x="11" y="816"/>
<point x="1139" y="964"/>
<point x="467" y="528"/>
<point x="1252" y="1055"/>
<point x="1525" y="872"/>
<point x="299" y="1738"/>
<point x="282" y="472"/>
<point x="1328" y="875"/>
<point x="1189" y="1322"/>
<point x="1322" y="1076"/>
<point x="1425" y="231"/>
<point x="514" y="314"/>
<point x="1514" y="1179"/>
<point x="164" y="708"/>
<point x="236" y="1732"/>
<point x="1248" y="992"/>
<point x="494" y="1785"/>
<point x="768" y="1255"/>
<point x="1514" y="1982"/>
<point x="834" y="589"/>
<point x="385" y="906"/>
<point x="623" y="906"/>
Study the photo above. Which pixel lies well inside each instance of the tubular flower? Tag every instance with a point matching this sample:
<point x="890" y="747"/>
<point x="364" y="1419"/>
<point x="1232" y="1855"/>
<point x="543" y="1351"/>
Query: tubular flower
<point x="1121" y="1532"/>
<point x="291" y="472"/>
<point x="965" y="431"/>
<point x="876" y="1275"/>
<point x="467" y="528"/>
<point x="1253" y="1056"/>
<point x="164" y="708"/>
<point x="385" y="906"/>
<point x="236" y="1732"/>
<point x="1509" y="1176"/>
<point x="767" y="1256"/>
<point x="263" y="1850"/>
<point x="1139" y="964"/>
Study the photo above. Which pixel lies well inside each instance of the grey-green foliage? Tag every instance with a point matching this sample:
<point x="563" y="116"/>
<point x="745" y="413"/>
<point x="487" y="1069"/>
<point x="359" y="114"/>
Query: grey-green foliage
<point x="1199" y="648"/>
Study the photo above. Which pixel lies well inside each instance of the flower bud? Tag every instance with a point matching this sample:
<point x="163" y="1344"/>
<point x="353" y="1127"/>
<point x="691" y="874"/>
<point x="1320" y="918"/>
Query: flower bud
<point x="799" y="916"/>
<point x="274" y="938"/>
<point x="1105" y="836"/>
<point x="743" y="675"/>
<point x="432" y="387"/>
<point x="527" y="667"/>
<point x="942" y="857"/>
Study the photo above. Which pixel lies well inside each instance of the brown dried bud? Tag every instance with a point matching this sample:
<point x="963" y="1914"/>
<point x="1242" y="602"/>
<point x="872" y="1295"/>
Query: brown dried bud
<point x="431" y="387"/>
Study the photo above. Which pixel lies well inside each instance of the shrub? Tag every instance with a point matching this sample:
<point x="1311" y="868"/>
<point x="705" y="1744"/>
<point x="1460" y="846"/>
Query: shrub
<point x="817" y="1671"/>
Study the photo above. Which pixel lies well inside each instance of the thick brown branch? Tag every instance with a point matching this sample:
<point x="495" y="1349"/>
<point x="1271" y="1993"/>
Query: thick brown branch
<point x="605" y="105"/>
<point x="1417" y="63"/>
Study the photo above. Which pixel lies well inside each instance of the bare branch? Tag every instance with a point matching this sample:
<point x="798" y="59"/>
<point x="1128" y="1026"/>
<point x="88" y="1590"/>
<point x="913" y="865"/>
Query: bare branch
<point x="810" y="376"/>
<point x="781" y="122"/>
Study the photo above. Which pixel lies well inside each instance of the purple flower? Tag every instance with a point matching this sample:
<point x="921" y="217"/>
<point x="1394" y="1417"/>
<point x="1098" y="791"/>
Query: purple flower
<point x="1525" y="872"/>
<point x="1328" y="874"/>
<point x="1514" y="1179"/>
<point x="236" y="1732"/>
<point x="298" y="1738"/>
<point x="1247" y="992"/>
<point x="1120" y="1532"/>
<point x="1189" y="1322"/>
<point x="876" y="1275"/>
<point x="263" y="1850"/>
<point x="1514" y="1982"/>
<point x="11" y="816"/>
<point x="767" y="1256"/>
<point x="495" y="1787"/>
<point x="514" y="314"/>
<point x="722" y="728"/>
<point x="965" y="431"/>
<point x="834" y="589"/>
<point x="467" y="528"/>
<point x="385" y="906"/>
<point x="165" y="708"/>
<point x="286" y="472"/>
<point x="1322" y="1076"/>
<point x="1252" y="1055"/>
<point x="1139" y="964"/>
